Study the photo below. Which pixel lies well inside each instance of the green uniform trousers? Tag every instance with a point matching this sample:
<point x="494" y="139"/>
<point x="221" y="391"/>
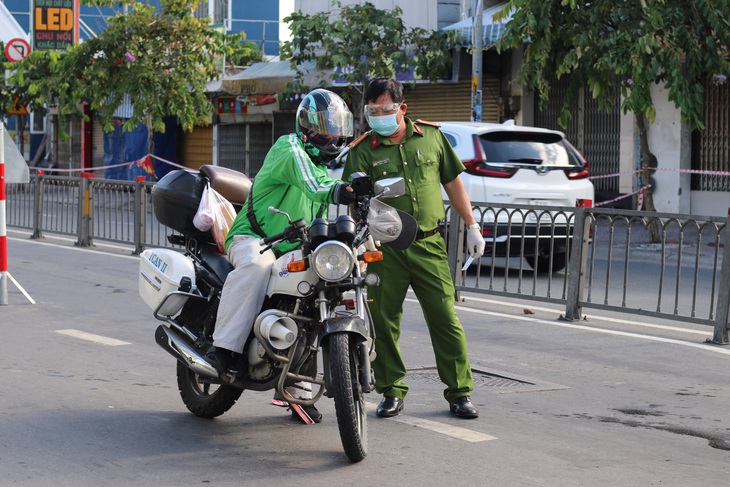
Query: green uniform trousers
<point x="425" y="268"/>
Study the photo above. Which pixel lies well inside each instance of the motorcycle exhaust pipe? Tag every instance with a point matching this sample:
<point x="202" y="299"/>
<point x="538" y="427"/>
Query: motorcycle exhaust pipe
<point x="176" y="346"/>
<point x="276" y="328"/>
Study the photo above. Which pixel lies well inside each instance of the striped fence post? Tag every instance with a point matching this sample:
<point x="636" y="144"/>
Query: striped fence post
<point x="3" y="227"/>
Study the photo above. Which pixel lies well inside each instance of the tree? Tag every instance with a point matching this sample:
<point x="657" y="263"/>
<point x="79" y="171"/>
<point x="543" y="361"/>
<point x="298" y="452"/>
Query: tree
<point x="244" y="53"/>
<point x="161" y="58"/>
<point x="363" y="42"/>
<point x="677" y="43"/>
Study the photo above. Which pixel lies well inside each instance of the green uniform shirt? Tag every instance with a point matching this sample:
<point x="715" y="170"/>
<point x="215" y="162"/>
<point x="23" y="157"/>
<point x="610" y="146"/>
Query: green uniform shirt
<point x="290" y="182"/>
<point x="424" y="158"/>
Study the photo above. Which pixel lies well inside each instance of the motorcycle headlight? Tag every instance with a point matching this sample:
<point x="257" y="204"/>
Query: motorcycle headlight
<point x="332" y="261"/>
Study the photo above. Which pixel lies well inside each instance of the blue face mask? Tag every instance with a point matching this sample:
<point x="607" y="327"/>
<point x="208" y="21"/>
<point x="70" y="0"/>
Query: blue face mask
<point x="384" y="125"/>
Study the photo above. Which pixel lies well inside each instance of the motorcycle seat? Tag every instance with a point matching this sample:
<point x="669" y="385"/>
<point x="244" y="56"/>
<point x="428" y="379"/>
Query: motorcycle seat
<point x="232" y="185"/>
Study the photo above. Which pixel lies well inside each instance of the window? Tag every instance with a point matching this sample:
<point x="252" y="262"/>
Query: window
<point x="217" y="10"/>
<point x="37" y="122"/>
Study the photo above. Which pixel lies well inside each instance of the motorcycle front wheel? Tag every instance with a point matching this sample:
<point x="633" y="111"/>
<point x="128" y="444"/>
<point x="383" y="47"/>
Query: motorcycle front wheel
<point x="203" y="399"/>
<point x="348" y="395"/>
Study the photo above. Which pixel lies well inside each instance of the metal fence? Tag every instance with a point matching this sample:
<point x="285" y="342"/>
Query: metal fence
<point x="577" y="257"/>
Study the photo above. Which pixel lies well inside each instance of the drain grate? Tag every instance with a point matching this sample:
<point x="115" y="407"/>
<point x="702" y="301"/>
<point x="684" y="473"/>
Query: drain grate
<point x="499" y="382"/>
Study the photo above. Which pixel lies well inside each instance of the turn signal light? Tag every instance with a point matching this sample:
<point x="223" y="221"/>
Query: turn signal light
<point x="373" y="256"/>
<point x="297" y="266"/>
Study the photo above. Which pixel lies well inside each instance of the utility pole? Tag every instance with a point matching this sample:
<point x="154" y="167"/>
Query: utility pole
<point x="476" y="64"/>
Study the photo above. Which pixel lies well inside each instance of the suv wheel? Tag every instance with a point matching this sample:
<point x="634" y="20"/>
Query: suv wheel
<point x="541" y="263"/>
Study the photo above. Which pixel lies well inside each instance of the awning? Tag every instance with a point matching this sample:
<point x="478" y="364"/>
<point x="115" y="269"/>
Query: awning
<point x="259" y="78"/>
<point x="491" y="29"/>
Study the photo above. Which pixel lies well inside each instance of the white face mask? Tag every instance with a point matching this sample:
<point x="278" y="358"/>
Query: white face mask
<point x="384" y="125"/>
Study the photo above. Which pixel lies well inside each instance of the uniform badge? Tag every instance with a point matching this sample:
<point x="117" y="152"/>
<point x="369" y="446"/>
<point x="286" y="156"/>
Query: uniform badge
<point x="381" y="162"/>
<point x="374" y="143"/>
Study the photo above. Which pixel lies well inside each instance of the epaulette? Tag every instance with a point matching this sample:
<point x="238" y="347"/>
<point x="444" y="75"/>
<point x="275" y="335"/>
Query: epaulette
<point x="358" y="140"/>
<point x="426" y="122"/>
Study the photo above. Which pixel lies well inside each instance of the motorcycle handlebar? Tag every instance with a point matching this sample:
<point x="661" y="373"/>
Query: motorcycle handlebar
<point x="291" y="233"/>
<point x="273" y="238"/>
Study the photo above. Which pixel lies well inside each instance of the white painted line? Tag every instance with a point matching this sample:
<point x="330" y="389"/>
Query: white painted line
<point x="597" y="317"/>
<point x="80" y="249"/>
<point x="112" y="342"/>
<point x="705" y="347"/>
<point x="444" y="429"/>
<point x="32" y="301"/>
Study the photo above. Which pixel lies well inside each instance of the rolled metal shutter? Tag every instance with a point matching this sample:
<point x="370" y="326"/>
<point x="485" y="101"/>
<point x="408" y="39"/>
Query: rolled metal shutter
<point x="259" y="137"/>
<point x="711" y="146"/>
<point x="594" y="132"/>
<point x="284" y="123"/>
<point x="451" y="101"/>
<point x="243" y="146"/>
<point x="232" y="146"/>
<point x="197" y="147"/>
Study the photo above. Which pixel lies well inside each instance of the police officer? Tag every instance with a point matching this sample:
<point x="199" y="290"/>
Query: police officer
<point x="418" y="152"/>
<point x="294" y="180"/>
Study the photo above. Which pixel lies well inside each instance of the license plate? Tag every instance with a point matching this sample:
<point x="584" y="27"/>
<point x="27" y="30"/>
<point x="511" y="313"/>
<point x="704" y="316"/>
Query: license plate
<point x="531" y="217"/>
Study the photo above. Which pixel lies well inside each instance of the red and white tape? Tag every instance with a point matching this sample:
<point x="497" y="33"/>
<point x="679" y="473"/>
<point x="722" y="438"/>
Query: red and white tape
<point x="102" y="168"/>
<point x="640" y="192"/>
<point x="685" y="171"/>
<point x="692" y="171"/>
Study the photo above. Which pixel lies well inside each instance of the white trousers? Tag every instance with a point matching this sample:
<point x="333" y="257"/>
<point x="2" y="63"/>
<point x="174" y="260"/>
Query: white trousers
<point x="243" y="292"/>
<point x="243" y="295"/>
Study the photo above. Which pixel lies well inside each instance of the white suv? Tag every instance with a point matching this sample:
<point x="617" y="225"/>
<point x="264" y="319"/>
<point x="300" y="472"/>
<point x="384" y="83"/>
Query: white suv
<point x="510" y="165"/>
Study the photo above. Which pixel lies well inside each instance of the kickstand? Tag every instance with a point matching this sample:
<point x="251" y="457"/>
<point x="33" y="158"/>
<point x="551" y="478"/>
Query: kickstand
<point x="299" y="410"/>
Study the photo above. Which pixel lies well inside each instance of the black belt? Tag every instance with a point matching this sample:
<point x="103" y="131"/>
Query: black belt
<point x="422" y="235"/>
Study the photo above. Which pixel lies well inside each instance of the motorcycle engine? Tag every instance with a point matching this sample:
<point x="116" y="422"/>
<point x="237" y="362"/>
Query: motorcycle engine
<point x="259" y="364"/>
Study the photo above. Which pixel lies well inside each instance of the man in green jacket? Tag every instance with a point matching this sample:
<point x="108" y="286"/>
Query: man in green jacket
<point x="293" y="179"/>
<point x="418" y="152"/>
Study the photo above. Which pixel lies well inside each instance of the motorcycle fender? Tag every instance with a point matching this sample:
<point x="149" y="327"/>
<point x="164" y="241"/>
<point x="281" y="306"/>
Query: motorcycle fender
<point x="352" y="324"/>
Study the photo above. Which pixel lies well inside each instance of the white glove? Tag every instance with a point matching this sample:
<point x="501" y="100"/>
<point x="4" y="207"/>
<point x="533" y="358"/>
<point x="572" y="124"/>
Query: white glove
<point x="371" y="245"/>
<point x="475" y="240"/>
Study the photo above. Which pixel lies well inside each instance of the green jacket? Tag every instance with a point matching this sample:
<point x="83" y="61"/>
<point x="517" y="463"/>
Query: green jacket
<point x="290" y="182"/>
<point x="424" y="158"/>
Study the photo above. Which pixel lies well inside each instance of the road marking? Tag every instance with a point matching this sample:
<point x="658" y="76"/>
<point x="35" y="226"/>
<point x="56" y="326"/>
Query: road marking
<point x="444" y="429"/>
<point x="602" y="318"/>
<point x="705" y="347"/>
<point x="80" y="249"/>
<point x="112" y="342"/>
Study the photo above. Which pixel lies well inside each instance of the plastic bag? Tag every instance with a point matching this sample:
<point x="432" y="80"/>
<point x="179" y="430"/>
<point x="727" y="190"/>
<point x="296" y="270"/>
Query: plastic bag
<point x="203" y="218"/>
<point x="215" y="213"/>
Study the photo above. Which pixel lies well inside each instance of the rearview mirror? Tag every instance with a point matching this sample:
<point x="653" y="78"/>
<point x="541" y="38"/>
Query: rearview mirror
<point x="390" y="187"/>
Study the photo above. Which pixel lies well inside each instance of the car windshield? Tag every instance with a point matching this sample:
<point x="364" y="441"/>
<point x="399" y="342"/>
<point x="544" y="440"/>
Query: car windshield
<point x="528" y="148"/>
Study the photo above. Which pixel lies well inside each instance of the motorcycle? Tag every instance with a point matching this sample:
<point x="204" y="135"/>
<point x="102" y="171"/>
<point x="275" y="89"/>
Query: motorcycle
<point x="314" y="302"/>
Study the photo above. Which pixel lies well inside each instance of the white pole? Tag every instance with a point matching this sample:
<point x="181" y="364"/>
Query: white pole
<point x="3" y="229"/>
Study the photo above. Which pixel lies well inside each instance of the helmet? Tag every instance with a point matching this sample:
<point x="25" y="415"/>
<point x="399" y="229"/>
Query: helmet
<point x="324" y="123"/>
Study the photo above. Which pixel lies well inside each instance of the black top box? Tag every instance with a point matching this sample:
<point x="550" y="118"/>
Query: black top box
<point x="175" y="200"/>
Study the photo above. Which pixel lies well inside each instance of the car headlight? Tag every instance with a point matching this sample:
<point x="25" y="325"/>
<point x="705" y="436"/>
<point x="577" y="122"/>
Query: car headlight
<point x="332" y="261"/>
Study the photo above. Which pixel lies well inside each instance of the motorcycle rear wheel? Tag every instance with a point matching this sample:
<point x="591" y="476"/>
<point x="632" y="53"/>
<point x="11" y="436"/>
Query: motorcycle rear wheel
<point x="348" y="395"/>
<point x="203" y="399"/>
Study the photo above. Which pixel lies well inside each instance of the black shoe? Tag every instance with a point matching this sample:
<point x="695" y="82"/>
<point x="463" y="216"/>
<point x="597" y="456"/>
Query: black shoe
<point x="220" y="358"/>
<point x="390" y="406"/>
<point x="312" y="411"/>
<point x="463" y="408"/>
